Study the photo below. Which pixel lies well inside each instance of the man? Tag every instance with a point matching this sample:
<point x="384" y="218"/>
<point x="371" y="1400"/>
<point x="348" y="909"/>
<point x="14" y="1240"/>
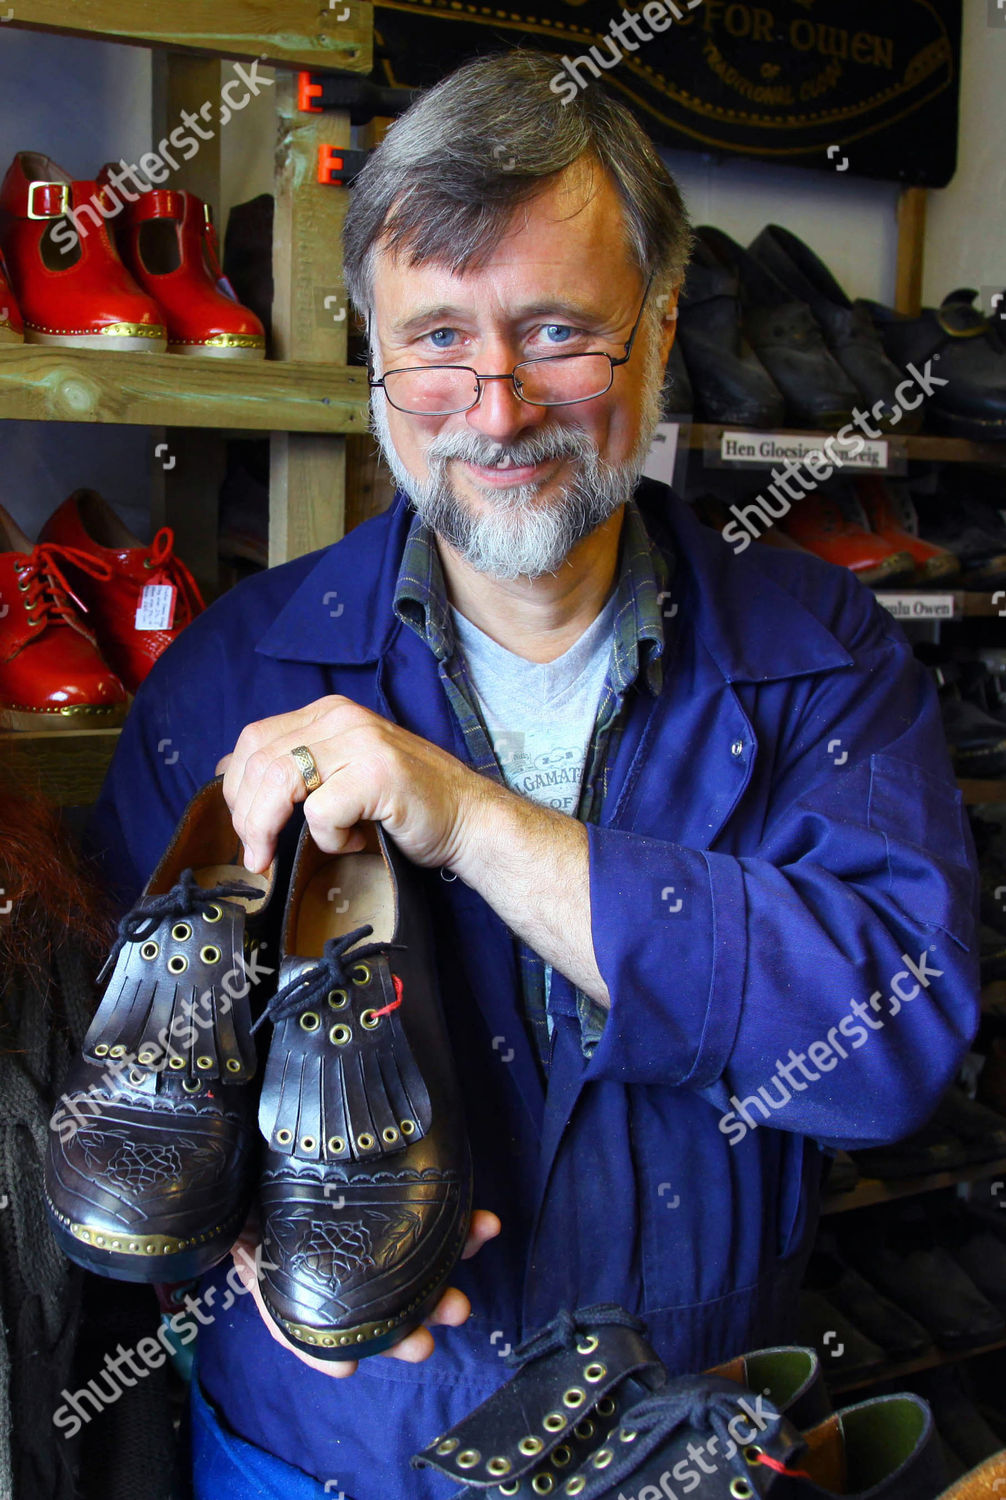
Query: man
<point x="670" y="991"/>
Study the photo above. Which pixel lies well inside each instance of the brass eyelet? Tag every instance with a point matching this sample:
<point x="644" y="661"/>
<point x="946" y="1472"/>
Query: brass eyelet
<point x="149" y="950"/>
<point x="594" y="1373"/>
<point x="177" y="963"/>
<point x="740" y="1490"/>
<point x="543" y="1484"/>
<point x="340" y="1035"/>
<point x="212" y="913"/>
<point x="337" y="1146"/>
<point x="562" y="1456"/>
<point x="284" y="1137"/>
<point x="369" y="1020"/>
<point x="181" y="932"/>
<point x="408" y="1127"/>
<point x="468" y="1458"/>
<point x="337" y="999"/>
<point x="204" y="1063"/>
<point x="605" y="1407"/>
<point x="176" y="1062"/>
<point x="574" y="1397"/>
<point x="584" y="1430"/>
<point x="365" y="1141"/>
<point x="510" y="1488"/>
<point x="101" y="1050"/>
<point x="310" y="1021"/>
<point x="626" y="1435"/>
<point x="588" y="1345"/>
<point x="389" y="1135"/>
<point x="553" y="1421"/>
<point x="447" y="1446"/>
<point x="498" y="1465"/>
<point x="308" y="1143"/>
<point x="117" y="1051"/>
<point x="232" y="1065"/>
<point x="145" y="1057"/>
<point x="602" y="1458"/>
<point x="360" y="973"/>
<point x="575" y="1484"/>
<point x="191" y="1085"/>
<point x="752" y="1454"/>
<point x="137" y="1077"/>
<point x="529" y="1446"/>
<point x="210" y="954"/>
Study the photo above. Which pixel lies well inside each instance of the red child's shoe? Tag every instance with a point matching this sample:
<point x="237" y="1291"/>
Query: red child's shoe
<point x="11" y="326"/>
<point x="836" y="530"/>
<point x="149" y="595"/>
<point x="70" y="284"/>
<point x="168" y="241"/>
<point x="51" y="672"/>
<point x="892" y="516"/>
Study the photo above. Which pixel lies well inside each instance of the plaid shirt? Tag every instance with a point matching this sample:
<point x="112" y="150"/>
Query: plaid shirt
<point x="637" y="649"/>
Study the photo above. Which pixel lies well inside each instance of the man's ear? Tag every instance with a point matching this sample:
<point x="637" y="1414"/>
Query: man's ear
<point x="668" y="323"/>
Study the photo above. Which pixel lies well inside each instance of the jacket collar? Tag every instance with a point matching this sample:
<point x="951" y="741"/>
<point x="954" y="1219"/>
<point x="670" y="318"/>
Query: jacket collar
<point x="341" y="615"/>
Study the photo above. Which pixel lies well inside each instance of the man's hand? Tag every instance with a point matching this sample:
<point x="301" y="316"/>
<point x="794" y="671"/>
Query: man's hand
<point x="451" y="1311"/>
<point x="372" y="771"/>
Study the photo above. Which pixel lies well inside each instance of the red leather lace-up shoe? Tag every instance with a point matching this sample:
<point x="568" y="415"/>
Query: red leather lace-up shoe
<point x="836" y="532"/>
<point x="892" y="516"/>
<point x="11" y="326"/>
<point x="148" y="594"/>
<point x="52" y="675"/>
<point x="70" y="284"/>
<point x="168" y="242"/>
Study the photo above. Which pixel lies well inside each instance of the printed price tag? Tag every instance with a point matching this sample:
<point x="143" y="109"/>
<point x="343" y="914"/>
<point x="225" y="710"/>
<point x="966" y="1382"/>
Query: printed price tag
<point x="156" y="608"/>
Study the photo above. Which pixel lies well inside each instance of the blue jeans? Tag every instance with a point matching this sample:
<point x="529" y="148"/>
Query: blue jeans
<point x="226" y="1467"/>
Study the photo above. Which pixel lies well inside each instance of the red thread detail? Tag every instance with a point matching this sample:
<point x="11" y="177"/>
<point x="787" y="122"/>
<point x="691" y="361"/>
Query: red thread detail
<point x="780" y="1468"/>
<point x="386" y="1009"/>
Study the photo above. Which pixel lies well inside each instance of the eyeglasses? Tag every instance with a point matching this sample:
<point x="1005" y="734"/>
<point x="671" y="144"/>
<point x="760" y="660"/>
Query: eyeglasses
<point x="551" y="380"/>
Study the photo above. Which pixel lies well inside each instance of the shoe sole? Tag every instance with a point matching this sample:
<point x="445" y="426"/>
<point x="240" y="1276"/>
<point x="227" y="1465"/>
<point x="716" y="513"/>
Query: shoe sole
<point x="138" y="1265"/>
<point x="205" y="351"/>
<point x="82" y="716"/>
<point x="357" y="1341"/>
<point x="121" y="343"/>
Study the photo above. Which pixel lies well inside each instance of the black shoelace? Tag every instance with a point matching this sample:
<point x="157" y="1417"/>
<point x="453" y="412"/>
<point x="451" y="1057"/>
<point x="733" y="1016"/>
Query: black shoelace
<point x="566" y="1327"/>
<point x="330" y="972"/>
<point x="144" y="918"/>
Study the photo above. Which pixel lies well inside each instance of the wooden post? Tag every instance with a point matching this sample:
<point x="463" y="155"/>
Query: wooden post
<point x="911" y="250"/>
<point x="307" y="481"/>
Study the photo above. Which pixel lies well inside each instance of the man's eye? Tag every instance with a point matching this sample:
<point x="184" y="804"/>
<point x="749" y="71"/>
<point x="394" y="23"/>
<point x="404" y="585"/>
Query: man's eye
<point x="441" y="338"/>
<point x="557" y="333"/>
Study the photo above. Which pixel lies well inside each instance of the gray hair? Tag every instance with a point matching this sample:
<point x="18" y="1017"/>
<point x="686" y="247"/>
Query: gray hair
<point x="447" y="177"/>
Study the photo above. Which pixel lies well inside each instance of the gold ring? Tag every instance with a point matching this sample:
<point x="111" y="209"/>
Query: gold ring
<point x="307" y="766"/>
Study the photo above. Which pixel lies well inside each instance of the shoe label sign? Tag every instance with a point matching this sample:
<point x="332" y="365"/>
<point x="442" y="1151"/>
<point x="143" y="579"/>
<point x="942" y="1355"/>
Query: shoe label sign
<point x="917" y="606"/>
<point x="156" y="608"/>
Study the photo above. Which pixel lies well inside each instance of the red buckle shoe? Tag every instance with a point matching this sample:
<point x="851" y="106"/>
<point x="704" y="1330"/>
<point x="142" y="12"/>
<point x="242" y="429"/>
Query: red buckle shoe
<point x="11" y="325"/>
<point x="168" y="241"/>
<point x="71" y="286"/>
<point x="148" y="595"/>
<point x="892" y="516"/>
<point x="52" y="675"/>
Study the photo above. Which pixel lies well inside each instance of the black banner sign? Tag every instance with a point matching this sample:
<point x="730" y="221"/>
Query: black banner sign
<point x="845" y="85"/>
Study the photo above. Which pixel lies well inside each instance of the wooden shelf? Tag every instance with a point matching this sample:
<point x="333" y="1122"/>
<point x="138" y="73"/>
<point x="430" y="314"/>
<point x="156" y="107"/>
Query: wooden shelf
<point x="929" y="1361"/>
<point x="68" y="765"/>
<point x="288" y="33"/>
<point x="982" y="791"/>
<point x="706" y="436"/>
<point x="871" y="1190"/>
<point x="54" y="384"/>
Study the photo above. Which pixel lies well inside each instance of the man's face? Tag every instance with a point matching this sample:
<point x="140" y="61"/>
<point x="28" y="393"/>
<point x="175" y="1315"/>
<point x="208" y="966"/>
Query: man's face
<point x="512" y="487"/>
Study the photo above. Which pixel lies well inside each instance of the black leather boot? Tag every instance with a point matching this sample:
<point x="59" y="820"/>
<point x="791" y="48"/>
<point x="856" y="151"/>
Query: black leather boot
<point x="365" y="1193"/>
<point x="150" y="1166"/>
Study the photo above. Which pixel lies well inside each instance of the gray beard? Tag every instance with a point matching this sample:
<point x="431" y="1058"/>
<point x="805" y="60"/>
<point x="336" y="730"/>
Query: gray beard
<point x="519" y="537"/>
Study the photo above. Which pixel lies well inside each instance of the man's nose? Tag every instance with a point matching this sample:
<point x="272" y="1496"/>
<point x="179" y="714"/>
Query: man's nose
<point x="501" y="414"/>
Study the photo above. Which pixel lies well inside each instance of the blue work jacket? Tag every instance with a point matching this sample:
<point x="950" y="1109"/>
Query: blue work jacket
<point x="781" y="839"/>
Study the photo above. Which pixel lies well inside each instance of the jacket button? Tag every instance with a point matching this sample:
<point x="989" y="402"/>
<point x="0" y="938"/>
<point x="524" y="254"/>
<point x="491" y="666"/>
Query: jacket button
<point x="737" y="748"/>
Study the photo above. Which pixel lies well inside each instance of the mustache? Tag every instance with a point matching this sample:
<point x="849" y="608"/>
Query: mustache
<point x="543" y="446"/>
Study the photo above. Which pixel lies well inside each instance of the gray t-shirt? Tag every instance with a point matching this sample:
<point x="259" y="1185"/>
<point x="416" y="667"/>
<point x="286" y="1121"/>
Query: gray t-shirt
<point x="540" y="715"/>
